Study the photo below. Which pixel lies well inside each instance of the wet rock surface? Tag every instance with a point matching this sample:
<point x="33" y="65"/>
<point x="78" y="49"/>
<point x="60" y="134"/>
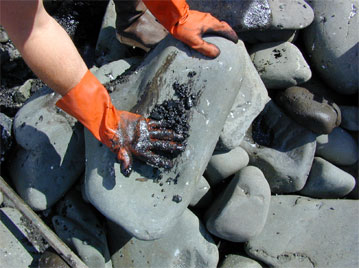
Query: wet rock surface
<point x="323" y="231"/>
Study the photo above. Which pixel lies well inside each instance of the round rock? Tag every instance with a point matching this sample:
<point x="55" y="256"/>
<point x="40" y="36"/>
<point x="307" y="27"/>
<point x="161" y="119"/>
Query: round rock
<point x="350" y="117"/>
<point x="280" y="65"/>
<point x="233" y="260"/>
<point x="310" y="110"/>
<point x="327" y="181"/>
<point x="224" y="164"/>
<point x="240" y="213"/>
<point x="338" y="147"/>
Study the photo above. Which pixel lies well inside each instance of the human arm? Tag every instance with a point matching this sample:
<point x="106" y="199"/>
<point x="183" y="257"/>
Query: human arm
<point x="53" y="57"/>
<point x="189" y="26"/>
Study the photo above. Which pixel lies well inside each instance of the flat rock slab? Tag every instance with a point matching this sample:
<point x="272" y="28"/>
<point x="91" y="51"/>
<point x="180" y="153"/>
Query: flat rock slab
<point x="50" y="154"/>
<point x="149" y="202"/>
<point x="188" y="245"/>
<point x="304" y="232"/>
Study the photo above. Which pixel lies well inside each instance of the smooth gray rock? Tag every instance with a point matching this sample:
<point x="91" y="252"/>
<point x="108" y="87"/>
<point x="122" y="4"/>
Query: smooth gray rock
<point x="290" y="14"/>
<point x="77" y="224"/>
<point x="280" y="65"/>
<point x="241" y="15"/>
<point x="237" y="261"/>
<point x="149" y="202"/>
<point x="6" y="136"/>
<point x="1" y="198"/>
<point x="332" y="43"/>
<point x="281" y="148"/>
<point x="304" y="232"/>
<point x="240" y="213"/>
<point x="50" y="155"/>
<point x="350" y="117"/>
<point x="310" y="110"/>
<point x="16" y="250"/>
<point x="338" y="147"/>
<point x="224" y="164"/>
<point x="248" y="104"/>
<point x="84" y="244"/>
<point x="327" y="181"/>
<point x="202" y="196"/>
<point x="187" y="244"/>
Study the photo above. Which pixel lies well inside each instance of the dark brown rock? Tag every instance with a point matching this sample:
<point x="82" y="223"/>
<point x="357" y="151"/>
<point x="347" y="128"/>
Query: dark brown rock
<point x="309" y="109"/>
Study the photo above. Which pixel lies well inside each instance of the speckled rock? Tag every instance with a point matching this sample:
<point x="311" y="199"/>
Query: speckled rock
<point x="249" y="102"/>
<point x="310" y="110"/>
<point x="232" y="261"/>
<point x="77" y="225"/>
<point x="202" y="196"/>
<point x="19" y="247"/>
<point x="338" y="147"/>
<point x="241" y="15"/>
<point x="50" y="155"/>
<point x="240" y="213"/>
<point x="290" y="14"/>
<point x="332" y="43"/>
<point x="150" y="201"/>
<point x="350" y="117"/>
<point x="224" y="164"/>
<point x="188" y="244"/>
<point x="304" y="232"/>
<point x="327" y="181"/>
<point x="281" y="148"/>
<point x="6" y="138"/>
<point x="280" y="65"/>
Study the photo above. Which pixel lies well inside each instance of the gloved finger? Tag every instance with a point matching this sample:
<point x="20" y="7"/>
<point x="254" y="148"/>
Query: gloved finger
<point x="157" y="160"/>
<point x="168" y="146"/>
<point x="207" y="49"/>
<point x="166" y="134"/>
<point x="125" y="159"/>
<point x="223" y="29"/>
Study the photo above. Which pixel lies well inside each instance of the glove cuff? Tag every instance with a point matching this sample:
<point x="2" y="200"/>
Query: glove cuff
<point x="90" y="103"/>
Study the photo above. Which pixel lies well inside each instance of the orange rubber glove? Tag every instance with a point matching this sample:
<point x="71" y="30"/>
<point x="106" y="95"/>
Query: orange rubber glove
<point x="126" y="134"/>
<point x="189" y="26"/>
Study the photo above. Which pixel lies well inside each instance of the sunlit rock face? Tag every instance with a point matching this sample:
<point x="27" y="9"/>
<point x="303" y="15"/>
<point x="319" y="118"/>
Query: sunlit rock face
<point x="149" y="202"/>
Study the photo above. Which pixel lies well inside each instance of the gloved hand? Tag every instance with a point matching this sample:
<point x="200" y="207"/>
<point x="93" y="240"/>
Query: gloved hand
<point x="189" y="26"/>
<point x="126" y="134"/>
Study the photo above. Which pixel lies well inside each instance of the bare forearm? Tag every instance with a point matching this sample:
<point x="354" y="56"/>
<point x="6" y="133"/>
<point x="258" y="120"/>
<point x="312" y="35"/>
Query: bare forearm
<point x="45" y="46"/>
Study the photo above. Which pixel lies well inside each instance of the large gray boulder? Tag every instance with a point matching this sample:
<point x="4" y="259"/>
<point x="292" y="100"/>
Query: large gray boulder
<point x="149" y="202"/>
<point x="305" y="232"/>
<point x="281" y="148"/>
<point x="50" y="154"/>
<point x="332" y="43"/>
<point x="250" y="101"/>
<point x="187" y="244"/>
